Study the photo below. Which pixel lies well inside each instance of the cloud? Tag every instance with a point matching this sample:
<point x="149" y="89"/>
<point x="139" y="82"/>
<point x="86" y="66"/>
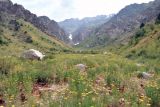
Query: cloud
<point x="64" y="9"/>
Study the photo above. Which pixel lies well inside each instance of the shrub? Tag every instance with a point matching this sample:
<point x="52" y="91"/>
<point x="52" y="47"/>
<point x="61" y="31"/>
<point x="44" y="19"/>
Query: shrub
<point x="142" y="25"/>
<point x="29" y="39"/>
<point x="157" y="19"/>
<point x="3" y="40"/>
<point x="42" y="78"/>
<point x="111" y="79"/>
<point x="142" y="53"/>
<point x="140" y="33"/>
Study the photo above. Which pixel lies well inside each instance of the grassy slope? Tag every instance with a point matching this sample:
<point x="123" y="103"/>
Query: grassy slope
<point x="14" y="39"/>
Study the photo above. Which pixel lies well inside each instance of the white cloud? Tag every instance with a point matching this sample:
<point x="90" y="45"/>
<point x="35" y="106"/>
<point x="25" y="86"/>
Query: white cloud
<point x="64" y="9"/>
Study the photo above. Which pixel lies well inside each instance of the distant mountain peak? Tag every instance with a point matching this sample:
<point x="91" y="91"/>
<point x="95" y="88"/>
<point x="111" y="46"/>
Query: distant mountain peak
<point x="81" y="28"/>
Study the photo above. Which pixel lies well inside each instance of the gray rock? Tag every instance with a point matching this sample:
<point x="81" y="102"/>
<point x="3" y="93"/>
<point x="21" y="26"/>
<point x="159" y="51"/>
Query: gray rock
<point x="32" y="54"/>
<point x="81" y="67"/>
<point x="146" y="75"/>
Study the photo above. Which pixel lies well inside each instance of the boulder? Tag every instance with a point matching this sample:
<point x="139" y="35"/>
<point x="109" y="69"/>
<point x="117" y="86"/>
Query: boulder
<point x="81" y="67"/>
<point x="146" y="75"/>
<point x="32" y="54"/>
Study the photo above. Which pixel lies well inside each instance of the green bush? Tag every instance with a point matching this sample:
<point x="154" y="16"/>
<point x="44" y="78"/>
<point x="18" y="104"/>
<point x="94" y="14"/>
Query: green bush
<point x="3" y="41"/>
<point x="140" y="33"/>
<point x="158" y="20"/>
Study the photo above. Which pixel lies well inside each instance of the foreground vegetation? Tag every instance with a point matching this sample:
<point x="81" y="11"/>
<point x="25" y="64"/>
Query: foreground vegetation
<point x="109" y="80"/>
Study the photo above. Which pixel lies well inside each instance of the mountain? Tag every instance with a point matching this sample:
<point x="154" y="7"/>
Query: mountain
<point x="143" y="45"/>
<point x="43" y="23"/>
<point x="80" y="29"/>
<point x="17" y="35"/>
<point x="123" y="25"/>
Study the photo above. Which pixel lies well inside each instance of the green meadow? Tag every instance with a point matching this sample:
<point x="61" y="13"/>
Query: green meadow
<point x="109" y="80"/>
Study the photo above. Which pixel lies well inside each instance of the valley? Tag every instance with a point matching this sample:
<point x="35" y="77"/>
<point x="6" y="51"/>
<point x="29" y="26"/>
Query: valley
<point x="103" y="61"/>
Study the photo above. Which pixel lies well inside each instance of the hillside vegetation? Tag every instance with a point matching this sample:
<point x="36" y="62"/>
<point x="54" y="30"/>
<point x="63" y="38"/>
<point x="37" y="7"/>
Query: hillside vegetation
<point x="103" y="71"/>
<point x="17" y="35"/>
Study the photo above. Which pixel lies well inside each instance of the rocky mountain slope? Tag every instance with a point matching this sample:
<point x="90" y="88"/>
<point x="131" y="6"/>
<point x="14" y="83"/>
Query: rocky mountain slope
<point x="17" y="35"/>
<point x="43" y="23"/>
<point x="80" y="29"/>
<point x="124" y="24"/>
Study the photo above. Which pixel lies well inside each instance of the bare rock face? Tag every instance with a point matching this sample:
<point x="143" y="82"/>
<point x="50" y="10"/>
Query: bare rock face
<point x="32" y="54"/>
<point x="43" y="23"/>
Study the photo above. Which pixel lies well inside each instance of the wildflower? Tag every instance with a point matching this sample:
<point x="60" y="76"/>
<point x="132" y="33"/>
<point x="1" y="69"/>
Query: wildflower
<point x="93" y="99"/>
<point x="13" y="105"/>
<point x="112" y="85"/>
<point x="83" y="94"/>
<point x="141" y="100"/>
<point x="148" y="104"/>
<point x="65" y="98"/>
<point x="141" y="97"/>
<point x="96" y="93"/>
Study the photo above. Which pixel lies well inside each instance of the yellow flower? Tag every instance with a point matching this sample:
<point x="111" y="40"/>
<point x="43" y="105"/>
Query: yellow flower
<point x="93" y="99"/>
<point x="13" y="105"/>
<point x="141" y="97"/>
<point x="141" y="100"/>
<point x="83" y="94"/>
<point x="148" y="104"/>
<point x="65" y="98"/>
<point x="112" y="85"/>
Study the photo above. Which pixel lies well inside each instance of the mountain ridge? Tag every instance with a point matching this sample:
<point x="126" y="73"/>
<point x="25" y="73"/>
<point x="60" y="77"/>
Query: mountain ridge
<point x="124" y="24"/>
<point x="80" y="28"/>
<point x="43" y="22"/>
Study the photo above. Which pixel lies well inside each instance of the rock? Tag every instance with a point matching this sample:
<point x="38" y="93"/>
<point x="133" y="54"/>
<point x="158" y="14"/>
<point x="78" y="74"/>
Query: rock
<point x="81" y="67"/>
<point x="122" y="102"/>
<point x="145" y="75"/>
<point x="32" y="54"/>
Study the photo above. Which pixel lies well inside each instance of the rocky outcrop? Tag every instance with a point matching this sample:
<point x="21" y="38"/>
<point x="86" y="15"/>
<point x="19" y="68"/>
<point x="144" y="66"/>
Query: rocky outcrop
<point x="43" y="23"/>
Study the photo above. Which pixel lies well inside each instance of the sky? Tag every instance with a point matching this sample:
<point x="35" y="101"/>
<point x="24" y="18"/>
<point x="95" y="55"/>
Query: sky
<point x="60" y="10"/>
